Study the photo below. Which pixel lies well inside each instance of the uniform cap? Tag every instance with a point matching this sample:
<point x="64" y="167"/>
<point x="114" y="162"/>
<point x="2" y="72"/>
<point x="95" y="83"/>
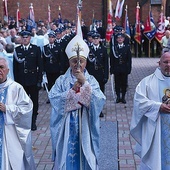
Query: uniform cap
<point x="120" y="35"/>
<point x="95" y="35"/>
<point x="89" y="33"/>
<point x="117" y="29"/>
<point x="58" y="31"/>
<point x="25" y="34"/>
<point x="51" y="34"/>
<point x="74" y="44"/>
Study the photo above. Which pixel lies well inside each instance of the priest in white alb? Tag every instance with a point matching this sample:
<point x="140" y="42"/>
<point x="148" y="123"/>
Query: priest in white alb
<point x="15" y="124"/>
<point x="150" y="125"/>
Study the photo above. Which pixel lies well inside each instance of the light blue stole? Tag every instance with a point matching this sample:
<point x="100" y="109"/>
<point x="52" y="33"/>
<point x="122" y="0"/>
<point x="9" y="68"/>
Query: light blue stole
<point x="3" y="93"/>
<point x="165" y="125"/>
<point x="73" y="152"/>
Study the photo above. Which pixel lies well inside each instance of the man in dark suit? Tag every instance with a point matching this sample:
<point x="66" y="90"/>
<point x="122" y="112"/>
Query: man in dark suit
<point x="27" y="65"/>
<point x="97" y="62"/>
<point x="120" y="65"/>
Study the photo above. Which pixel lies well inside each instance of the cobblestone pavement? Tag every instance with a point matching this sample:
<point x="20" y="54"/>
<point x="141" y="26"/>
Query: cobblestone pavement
<point x="121" y="113"/>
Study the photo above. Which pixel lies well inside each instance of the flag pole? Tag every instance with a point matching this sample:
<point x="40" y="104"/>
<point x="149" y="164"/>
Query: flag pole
<point x="149" y="49"/>
<point x="137" y="27"/>
<point x="2" y="11"/>
<point x="17" y="14"/>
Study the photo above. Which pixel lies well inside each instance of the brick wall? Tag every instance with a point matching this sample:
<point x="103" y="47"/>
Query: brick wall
<point x="68" y="9"/>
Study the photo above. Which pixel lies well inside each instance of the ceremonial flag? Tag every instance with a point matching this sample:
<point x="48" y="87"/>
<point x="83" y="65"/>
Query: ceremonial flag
<point x="119" y="9"/>
<point x="127" y="27"/>
<point x="93" y="25"/>
<point x="137" y="26"/>
<point x="18" y="16"/>
<point x="31" y="19"/>
<point x="109" y="30"/>
<point x="150" y="29"/>
<point x="59" y="15"/>
<point x="5" y="11"/>
<point x="49" y="14"/>
<point x="161" y="28"/>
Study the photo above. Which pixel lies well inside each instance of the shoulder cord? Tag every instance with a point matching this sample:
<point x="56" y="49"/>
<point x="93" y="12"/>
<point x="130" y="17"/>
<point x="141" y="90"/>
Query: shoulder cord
<point x="50" y="55"/>
<point x="92" y="59"/>
<point x="19" y="60"/>
<point x="113" y="48"/>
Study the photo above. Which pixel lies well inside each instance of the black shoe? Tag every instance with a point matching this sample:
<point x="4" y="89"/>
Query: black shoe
<point x="123" y="101"/>
<point x="101" y="115"/>
<point x="48" y="101"/>
<point x="33" y="127"/>
<point x="118" y="100"/>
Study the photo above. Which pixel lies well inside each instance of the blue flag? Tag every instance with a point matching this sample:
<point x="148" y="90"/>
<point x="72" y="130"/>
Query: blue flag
<point x="31" y="20"/>
<point x="127" y="27"/>
<point x="150" y="28"/>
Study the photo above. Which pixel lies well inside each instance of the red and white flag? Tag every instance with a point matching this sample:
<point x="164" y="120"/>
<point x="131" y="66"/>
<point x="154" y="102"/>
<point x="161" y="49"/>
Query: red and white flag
<point x="161" y="28"/>
<point x="49" y="14"/>
<point x="137" y="30"/>
<point x="119" y="9"/>
<point x="109" y="30"/>
<point x="18" y="17"/>
<point x="5" y="10"/>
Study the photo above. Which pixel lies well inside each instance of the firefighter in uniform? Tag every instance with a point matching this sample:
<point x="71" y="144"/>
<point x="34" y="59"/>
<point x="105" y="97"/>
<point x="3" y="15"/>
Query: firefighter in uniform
<point x="61" y="44"/>
<point x="52" y="60"/>
<point x="120" y="66"/>
<point x="27" y="67"/>
<point x="97" y="62"/>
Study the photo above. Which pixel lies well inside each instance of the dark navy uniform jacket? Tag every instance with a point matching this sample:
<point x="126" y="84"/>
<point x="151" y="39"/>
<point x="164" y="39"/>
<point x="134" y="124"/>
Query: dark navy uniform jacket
<point x="64" y="59"/>
<point x="52" y="59"/>
<point x="28" y="65"/>
<point x="97" y="63"/>
<point x="120" y="59"/>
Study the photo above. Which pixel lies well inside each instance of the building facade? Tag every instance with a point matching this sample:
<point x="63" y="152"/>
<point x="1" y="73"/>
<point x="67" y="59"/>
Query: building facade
<point x="96" y="9"/>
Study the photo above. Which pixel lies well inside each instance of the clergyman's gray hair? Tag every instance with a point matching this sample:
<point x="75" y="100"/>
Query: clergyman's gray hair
<point x="6" y="61"/>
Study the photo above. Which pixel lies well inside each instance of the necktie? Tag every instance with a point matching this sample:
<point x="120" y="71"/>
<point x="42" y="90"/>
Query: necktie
<point x="25" y="48"/>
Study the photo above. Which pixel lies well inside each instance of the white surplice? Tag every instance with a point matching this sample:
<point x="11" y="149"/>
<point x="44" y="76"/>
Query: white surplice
<point x="145" y="124"/>
<point x="17" y="142"/>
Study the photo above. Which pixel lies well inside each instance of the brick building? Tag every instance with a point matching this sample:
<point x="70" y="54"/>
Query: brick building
<point x="96" y="8"/>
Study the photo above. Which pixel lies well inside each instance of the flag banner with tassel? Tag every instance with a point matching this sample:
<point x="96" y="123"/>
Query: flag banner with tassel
<point x="126" y="24"/>
<point x="161" y="27"/>
<point x="31" y="19"/>
<point x="5" y="11"/>
<point x="137" y="25"/>
<point x="49" y="14"/>
<point x="109" y="30"/>
<point x="150" y="28"/>
<point x="59" y="16"/>
<point x="119" y="9"/>
<point x="18" y="16"/>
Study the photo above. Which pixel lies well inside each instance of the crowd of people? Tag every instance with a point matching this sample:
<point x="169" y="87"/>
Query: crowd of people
<point x="75" y="70"/>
